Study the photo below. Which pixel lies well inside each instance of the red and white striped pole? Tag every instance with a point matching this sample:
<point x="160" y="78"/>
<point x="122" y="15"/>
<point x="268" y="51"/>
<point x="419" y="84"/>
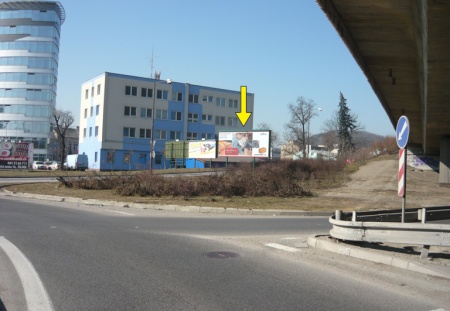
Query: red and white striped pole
<point x="402" y="179"/>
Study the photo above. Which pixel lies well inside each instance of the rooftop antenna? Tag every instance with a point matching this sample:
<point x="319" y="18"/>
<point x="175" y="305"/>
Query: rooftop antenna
<point x="151" y="66"/>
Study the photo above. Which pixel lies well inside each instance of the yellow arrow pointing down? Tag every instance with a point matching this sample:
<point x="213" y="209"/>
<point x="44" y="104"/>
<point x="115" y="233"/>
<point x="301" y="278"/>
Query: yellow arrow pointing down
<point x="243" y="115"/>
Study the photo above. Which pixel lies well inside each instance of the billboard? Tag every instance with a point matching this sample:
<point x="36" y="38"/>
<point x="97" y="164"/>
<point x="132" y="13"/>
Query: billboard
<point x="244" y="144"/>
<point x="202" y="149"/>
<point x="16" y="155"/>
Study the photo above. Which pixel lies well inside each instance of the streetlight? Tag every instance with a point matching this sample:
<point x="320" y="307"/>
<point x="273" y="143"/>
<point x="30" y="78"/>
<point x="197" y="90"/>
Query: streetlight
<point x="153" y="141"/>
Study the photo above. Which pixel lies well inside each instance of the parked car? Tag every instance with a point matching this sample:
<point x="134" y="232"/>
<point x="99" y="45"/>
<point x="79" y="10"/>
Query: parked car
<point x="52" y="165"/>
<point x="38" y="165"/>
<point x="76" y="162"/>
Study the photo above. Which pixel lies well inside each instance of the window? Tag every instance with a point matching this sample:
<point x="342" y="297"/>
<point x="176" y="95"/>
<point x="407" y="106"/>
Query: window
<point x="131" y="90"/>
<point x="174" y="135"/>
<point x="161" y="114"/>
<point x="177" y="96"/>
<point x="193" y="117"/>
<point x="90" y="131"/>
<point x="146" y="113"/>
<point x="145" y="133"/>
<point x="158" y="159"/>
<point x="92" y="92"/>
<point x="192" y="136"/>
<point x="86" y="94"/>
<point x="207" y="136"/>
<point x="233" y="103"/>
<point x="220" y="120"/>
<point x="85" y="113"/>
<point x="96" y="131"/>
<point x="146" y="92"/>
<point x="97" y="110"/>
<point x="232" y="121"/>
<point x="126" y="157"/>
<point x="110" y="156"/>
<point x="208" y="99"/>
<point x="207" y="117"/>
<point x="129" y="132"/>
<point x="160" y="134"/>
<point x="193" y="98"/>
<point x="160" y="94"/>
<point x="84" y="132"/>
<point x="92" y="111"/>
<point x="95" y="156"/>
<point x="130" y="111"/>
<point x="220" y="102"/>
<point x="176" y="115"/>
<point x="98" y="89"/>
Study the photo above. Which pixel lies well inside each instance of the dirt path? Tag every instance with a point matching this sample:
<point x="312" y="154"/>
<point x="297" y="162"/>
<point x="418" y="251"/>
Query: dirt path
<point x="374" y="186"/>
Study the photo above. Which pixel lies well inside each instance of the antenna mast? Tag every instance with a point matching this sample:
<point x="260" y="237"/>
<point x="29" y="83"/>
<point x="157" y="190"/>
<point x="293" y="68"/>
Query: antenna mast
<point x="151" y="66"/>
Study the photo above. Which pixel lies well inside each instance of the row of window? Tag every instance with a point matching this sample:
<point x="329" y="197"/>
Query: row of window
<point x="147" y="92"/>
<point x="30" y="62"/>
<point x="34" y="31"/>
<point x="35" y="15"/>
<point x="162" y="114"/>
<point x="29" y="78"/>
<point x="38" y="143"/>
<point x="31" y="46"/>
<point x="26" y="126"/>
<point x="130" y="132"/>
<point x="90" y="132"/>
<point x="28" y="94"/>
<point x="221" y="101"/>
<point x="97" y="111"/>
<point x="86" y="92"/>
<point x="28" y="110"/>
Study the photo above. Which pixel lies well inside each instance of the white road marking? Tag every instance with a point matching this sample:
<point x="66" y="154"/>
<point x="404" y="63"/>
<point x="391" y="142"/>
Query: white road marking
<point x="282" y="247"/>
<point x="122" y="213"/>
<point x="35" y="293"/>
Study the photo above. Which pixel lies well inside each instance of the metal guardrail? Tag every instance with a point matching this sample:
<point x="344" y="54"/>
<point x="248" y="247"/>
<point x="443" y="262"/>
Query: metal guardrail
<point x="385" y="226"/>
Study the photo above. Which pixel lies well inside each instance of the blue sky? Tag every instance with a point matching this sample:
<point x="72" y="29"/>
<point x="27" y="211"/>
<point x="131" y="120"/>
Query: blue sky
<point x="279" y="49"/>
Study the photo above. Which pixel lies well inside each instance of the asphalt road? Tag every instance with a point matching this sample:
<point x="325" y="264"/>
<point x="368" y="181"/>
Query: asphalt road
<point x="104" y="258"/>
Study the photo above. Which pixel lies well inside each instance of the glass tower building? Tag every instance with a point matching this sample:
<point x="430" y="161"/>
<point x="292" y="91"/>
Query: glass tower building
<point x="29" y="52"/>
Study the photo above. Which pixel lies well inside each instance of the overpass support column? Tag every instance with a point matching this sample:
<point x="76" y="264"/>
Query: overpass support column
<point x="444" y="164"/>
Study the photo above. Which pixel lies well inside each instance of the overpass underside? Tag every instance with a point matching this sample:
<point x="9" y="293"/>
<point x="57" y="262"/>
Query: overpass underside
<point x="403" y="48"/>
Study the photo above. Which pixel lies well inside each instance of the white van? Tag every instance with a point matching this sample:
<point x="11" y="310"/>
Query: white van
<point x="76" y="162"/>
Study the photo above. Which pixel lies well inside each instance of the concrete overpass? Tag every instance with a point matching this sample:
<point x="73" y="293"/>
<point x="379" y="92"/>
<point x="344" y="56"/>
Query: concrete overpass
<point x="403" y="48"/>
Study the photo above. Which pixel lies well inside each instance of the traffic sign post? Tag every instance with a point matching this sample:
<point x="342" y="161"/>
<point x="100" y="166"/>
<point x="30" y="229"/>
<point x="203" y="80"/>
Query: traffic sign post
<point x="402" y="136"/>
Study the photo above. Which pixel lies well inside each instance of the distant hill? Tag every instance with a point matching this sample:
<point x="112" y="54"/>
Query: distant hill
<point x="360" y="138"/>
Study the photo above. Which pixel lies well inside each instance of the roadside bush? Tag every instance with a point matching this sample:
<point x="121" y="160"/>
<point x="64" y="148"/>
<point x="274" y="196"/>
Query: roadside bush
<point x="273" y="179"/>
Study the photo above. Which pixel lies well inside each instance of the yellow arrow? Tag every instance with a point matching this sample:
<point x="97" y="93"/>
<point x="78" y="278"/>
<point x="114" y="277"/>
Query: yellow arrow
<point x="243" y="115"/>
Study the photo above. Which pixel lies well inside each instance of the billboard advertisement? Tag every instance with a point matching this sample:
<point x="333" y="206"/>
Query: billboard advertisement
<point x="15" y="155"/>
<point x="244" y="144"/>
<point x="203" y="149"/>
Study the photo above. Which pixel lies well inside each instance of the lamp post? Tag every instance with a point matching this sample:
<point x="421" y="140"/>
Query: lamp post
<point x="153" y="141"/>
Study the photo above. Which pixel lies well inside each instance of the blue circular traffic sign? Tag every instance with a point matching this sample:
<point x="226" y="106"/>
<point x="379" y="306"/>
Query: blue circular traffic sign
<point x="402" y="132"/>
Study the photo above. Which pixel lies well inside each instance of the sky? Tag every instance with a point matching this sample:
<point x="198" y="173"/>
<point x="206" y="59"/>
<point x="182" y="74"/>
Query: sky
<point x="280" y="50"/>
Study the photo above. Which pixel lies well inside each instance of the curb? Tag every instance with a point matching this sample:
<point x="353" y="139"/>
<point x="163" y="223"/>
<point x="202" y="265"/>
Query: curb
<point x="365" y="254"/>
<point x="173" y="208"/>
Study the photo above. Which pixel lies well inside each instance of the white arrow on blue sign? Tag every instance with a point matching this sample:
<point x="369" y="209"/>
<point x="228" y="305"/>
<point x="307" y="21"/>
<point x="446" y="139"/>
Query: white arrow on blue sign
<point x="402" y="132"/>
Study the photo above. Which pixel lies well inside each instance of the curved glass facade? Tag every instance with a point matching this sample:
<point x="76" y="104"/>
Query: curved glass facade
<point x="29" y="55"/>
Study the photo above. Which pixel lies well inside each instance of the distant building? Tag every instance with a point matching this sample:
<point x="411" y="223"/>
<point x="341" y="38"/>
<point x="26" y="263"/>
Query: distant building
<point x="117" y="113"/>
<point x="71" y="140"/>
<point x="29" y="55"/>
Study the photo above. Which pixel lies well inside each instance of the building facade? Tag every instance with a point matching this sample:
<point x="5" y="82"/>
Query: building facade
<point x="29" y="49"/>
<point x="120" y="113"/>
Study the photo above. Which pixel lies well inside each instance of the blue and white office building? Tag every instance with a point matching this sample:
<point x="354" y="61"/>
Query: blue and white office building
<point x="117" y="113"/>
<point x="29" y="49"/>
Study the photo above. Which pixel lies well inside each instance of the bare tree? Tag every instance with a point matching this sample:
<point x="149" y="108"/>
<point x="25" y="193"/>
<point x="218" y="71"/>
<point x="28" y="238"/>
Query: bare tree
<point x="297" y="130"/>
<point x="63" y="121"/>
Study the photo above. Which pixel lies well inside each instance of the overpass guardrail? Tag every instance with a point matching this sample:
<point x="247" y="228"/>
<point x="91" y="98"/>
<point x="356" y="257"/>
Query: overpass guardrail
<point x="386" y="226"/>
